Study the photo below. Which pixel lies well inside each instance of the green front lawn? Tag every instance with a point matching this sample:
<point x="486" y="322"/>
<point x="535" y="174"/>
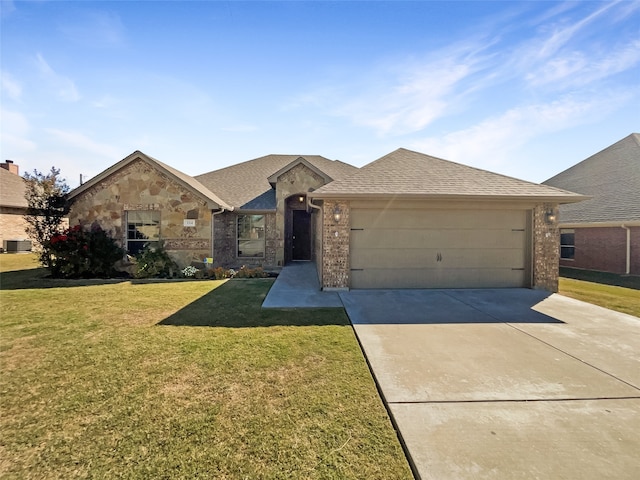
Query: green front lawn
<point x="621" y="299"/>
<point x="181" y="379"/>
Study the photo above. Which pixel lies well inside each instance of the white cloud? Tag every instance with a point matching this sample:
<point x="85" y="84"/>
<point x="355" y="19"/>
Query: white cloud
<point x="14" y="133"/>
<point x="10" y="86"/>
<point x="97" y="28"/>
<point x="80" y="141"/>
<point x="65" y="87"/>
<point x="492" y="142"/>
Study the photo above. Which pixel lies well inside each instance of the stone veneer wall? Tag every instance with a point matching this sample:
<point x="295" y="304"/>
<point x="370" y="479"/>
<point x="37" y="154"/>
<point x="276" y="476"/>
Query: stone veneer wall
<point x="336" y="239"/>
<point x="298" y="180"/>
<point x="546" y="249"/>
<point x="224" y="242"/>
<point x="139" y="186"/>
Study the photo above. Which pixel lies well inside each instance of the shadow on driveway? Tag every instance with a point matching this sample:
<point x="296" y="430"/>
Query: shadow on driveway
<point x="377" y="307"/>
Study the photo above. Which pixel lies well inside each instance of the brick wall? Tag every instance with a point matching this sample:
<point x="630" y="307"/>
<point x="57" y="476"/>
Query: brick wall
<point x="336" y="238"/>
<point x="225" y="237"/>
<point x="546" y="248"/>
<point x="12" y="224"/>
<point x="605" y="249"/>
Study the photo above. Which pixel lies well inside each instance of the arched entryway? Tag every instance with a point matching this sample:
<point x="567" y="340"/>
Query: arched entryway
<point x="298" y="237"/>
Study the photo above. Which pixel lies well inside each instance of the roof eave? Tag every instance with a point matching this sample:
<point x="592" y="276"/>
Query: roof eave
<point x="417" y="196"/>
<point x="587" y="224"/>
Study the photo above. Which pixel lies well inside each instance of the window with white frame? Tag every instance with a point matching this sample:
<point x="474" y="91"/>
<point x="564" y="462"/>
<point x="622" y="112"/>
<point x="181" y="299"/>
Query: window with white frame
<point x="567" y="243"/>
<point x="251" y="235"/>
<point x="143" y="230"/>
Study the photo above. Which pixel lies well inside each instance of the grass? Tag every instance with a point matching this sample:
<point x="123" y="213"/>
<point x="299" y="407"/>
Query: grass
<point x="628" y="281"/>
<point x="181" y="380"/>
<point x="621" y="299"/>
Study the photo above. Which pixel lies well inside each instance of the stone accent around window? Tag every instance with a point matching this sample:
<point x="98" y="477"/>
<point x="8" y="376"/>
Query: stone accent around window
<point x="225" y="238"/>
<point x="336" y="240"/>
<point x="546" y="248"/>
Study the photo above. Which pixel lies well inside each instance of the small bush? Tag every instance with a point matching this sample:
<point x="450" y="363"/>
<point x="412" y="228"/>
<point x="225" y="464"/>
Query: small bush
<point x="219" y="273"/>
<point x="155" y="262"/>
<point x="245" y="272"/>
<point x="77" y="253"/>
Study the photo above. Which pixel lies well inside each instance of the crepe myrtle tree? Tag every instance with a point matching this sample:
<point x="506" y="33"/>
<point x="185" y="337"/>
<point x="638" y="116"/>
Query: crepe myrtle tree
<point x="46" y="208"/>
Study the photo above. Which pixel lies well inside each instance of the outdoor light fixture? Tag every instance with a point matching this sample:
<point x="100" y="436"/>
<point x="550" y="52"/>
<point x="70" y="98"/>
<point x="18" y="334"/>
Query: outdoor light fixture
<point x="337" y="214"/>
<point x="550" y="217"/>
<point x="301" y="198"/>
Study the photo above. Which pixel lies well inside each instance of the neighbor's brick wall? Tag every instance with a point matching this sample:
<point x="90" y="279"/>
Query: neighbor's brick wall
<point x="546" y="249"/>
<point x="605" y="249"/>
<point x="12" y="224"/>
<point x="335" y="259"/>
<point x="139" y="186"/>
<point x="224" y="242"/>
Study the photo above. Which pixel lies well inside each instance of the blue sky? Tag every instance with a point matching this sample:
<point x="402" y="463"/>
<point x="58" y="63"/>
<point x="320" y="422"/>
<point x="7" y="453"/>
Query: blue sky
<point x="521" y="88"/>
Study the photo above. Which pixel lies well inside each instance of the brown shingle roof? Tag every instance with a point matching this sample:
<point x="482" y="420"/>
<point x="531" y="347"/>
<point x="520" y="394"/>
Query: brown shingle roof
<point x="413" y="174"/>
<point x="12" y="190"/>
<point x="186" y="180"/>
<point x="246" y="184"/>
<point x="611" y="177"/>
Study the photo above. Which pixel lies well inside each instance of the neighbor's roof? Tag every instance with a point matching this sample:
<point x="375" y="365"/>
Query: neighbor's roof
<point x="405" y="173"/>
<point x="12" y="190"/>
<point x="182" y="178"/>
<point x="246" y="185"/>
<point x="611" y="177"/>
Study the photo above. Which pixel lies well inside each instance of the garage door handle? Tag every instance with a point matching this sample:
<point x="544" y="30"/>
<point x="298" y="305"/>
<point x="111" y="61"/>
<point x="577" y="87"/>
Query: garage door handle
<point x="439" y="257"/>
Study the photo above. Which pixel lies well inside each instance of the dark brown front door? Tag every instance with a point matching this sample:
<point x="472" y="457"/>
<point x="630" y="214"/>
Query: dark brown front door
<point x="301" y="241"/>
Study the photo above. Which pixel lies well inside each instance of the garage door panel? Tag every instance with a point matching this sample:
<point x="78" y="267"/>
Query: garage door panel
<point x="431" y="278"/>
<point x="413" y="248"/>
<point x="428" y="258"/>
<point x="431" y="238"/>
<point x="442" y="219"/>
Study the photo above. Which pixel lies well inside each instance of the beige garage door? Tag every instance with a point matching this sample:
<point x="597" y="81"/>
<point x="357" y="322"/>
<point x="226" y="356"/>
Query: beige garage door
<point x="413" y="248"/>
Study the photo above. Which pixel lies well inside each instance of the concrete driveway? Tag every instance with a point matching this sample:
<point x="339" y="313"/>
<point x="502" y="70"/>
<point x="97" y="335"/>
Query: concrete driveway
<point x="504" y="384"/>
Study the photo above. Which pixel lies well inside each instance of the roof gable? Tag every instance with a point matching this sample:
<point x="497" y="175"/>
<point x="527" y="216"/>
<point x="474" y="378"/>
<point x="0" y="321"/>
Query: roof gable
<point x="183" y="179"/>
<point x="273" y="178"/>
<point x="12" y="190"/>
<point x="405" y="173"/>
<point x="611" y="178"/>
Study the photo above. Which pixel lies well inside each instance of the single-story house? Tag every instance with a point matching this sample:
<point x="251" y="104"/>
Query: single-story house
<point x="13" y="208"/>
<point x="407" y="220"/>
<point x="254" y="213"/>
<point x="603" y="232"/>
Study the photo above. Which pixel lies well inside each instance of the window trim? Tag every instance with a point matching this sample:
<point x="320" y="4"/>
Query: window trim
<point x="572" y="246"/>
<point x="264" y="235"/>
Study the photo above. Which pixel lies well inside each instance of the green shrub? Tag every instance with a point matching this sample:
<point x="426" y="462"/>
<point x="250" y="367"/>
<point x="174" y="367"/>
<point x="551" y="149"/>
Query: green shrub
<point x="245" y="272"/>
<point x="155" y="262"/>
<point x="78" y="253"/>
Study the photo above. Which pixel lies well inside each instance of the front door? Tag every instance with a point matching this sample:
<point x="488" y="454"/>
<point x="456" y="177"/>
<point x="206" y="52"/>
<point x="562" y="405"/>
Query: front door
<point x="301" y="241"/>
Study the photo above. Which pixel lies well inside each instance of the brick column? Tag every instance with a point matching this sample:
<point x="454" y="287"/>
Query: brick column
<point x="546" y="248"/>
<point x="335" y="241"/>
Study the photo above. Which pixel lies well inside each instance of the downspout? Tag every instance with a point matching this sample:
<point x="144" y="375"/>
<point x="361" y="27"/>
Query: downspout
<point x="628" y="270"/>
<point x="318" y="267"/>
<point x="213" y="237"/>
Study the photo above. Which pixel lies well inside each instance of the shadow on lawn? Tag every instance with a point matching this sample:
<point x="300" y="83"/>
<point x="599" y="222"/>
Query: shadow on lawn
<point x="237" y="304"/>
<point x="38" y="278"/>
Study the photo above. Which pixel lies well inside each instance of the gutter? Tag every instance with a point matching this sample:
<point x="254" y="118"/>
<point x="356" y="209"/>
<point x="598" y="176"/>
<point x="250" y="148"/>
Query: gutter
<point x="628" y="269"/>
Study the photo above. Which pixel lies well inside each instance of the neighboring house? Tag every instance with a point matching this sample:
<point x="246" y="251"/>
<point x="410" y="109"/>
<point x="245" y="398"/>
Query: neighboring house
<point x="13" y="207"/>
<point x="603" y="233"/>
<point x="407" y="220"/>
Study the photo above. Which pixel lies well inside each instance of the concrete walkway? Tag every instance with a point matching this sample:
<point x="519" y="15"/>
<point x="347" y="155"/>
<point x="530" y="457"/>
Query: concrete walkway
<point x="505" y="384"/>
<point x="297" y="286"/>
